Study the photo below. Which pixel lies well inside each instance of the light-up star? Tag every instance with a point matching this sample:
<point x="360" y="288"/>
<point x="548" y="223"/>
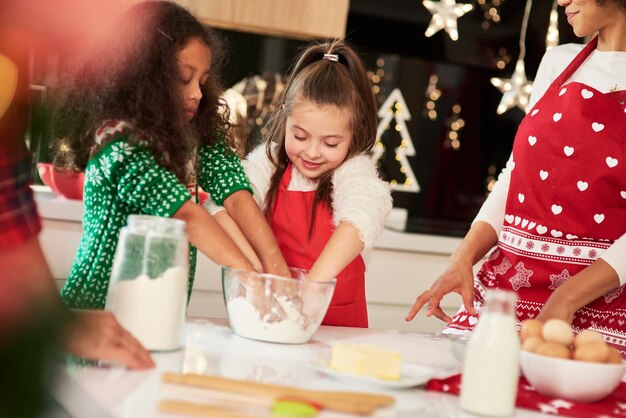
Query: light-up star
<point x="516" y="90"/>
<point x="445" y="13"/>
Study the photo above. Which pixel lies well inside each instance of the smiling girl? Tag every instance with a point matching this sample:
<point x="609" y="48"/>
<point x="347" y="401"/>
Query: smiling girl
<point x="144" y="119"/>
<point x="315" y="181"/>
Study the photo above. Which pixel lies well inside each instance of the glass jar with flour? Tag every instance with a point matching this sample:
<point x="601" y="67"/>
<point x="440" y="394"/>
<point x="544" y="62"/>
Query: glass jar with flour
<point x="148" y="287"/>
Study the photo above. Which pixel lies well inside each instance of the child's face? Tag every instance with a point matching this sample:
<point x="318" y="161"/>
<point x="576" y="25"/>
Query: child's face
<point x="194" y="65"/>
<point x="317" y="138"/>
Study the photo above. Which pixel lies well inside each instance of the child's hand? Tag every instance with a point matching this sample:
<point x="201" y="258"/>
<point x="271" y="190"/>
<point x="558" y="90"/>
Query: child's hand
<point x="96" y="335"/>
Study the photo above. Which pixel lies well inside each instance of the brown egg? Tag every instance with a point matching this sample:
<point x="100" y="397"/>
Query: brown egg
<point x="588" y="336"/>
<point x="531" y="328"/>
<point x="558" y="331"/>
<point x="554" y="350"/>
<point x="593" y="352"/>
<point x="531" y="344"/>
<point x="614" y="356"/>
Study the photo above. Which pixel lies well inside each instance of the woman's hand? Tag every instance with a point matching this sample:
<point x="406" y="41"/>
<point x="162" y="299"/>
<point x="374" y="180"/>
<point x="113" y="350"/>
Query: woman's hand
<point x="580" y="290"/>
<point x="458" y="278"/>
<point x="556" y="308"/>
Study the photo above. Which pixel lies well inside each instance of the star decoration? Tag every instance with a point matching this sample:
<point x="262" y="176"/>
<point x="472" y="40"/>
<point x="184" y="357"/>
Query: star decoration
<point x="445" y="13"/>
<point x="557" y="280"/>
<point x="560" y="403"/>
<point x="521" y="277"/>
<point x="516" y="90"/>
<point x="548" y="409"/>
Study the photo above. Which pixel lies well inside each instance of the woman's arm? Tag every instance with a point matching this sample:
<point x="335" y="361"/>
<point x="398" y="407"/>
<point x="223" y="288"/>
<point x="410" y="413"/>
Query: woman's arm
<point x="602" y="276"/>
<point x="580" y="290"/>
<point x="458" y="276"/>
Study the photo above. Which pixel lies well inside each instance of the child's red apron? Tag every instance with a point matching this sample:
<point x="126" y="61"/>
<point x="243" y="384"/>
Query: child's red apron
<point x="566" y="203"/>
<point x="290" y="221"/>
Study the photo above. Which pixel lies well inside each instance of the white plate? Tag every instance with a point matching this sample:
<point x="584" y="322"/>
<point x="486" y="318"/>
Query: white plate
<point x="410" y="375"/>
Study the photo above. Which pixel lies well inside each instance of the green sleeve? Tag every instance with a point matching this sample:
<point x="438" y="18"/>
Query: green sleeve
<point x="140" y="181"/>
<point x="220" y="172"/>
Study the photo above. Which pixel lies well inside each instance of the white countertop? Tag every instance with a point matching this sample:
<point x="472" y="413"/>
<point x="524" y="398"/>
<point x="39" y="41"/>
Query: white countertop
<point x="211" y="348"/>
<point x="61" y="209"/>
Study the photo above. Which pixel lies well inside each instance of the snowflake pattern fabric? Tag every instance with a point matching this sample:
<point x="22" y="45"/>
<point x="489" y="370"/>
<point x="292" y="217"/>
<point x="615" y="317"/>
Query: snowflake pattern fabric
<point x="123" y="179"/>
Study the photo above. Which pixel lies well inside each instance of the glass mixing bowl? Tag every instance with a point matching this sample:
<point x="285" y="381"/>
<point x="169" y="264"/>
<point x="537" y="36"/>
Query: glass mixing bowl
<point x="275" y="309"/>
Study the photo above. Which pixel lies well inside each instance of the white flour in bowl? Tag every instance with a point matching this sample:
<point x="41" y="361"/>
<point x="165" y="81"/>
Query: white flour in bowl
<point x="247" y="322"/>
<point x="153" y="310"/>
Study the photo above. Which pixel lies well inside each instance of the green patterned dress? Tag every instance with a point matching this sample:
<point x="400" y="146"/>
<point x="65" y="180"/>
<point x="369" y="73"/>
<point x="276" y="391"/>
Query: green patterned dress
<point x="123" y="179"/>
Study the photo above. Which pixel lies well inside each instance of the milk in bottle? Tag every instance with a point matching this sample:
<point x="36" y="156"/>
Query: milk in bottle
<point x="491" y="365"/>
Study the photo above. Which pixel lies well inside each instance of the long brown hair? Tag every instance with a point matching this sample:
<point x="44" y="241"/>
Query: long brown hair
<point x="343" y="83"/>
<point x="134" y="76"/>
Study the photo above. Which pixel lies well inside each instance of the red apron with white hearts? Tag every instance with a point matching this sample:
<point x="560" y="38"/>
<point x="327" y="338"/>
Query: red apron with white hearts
<point x="290" y="220"/>
<point x="566" y="204"/>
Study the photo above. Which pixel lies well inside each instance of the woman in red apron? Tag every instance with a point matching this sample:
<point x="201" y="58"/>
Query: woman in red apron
<point x="320" y="190"/>
<point x="560" y="246"/>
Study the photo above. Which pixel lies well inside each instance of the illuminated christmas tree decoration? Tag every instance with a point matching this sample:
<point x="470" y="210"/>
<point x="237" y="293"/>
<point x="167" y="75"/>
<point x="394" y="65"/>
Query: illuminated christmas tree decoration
<point x="395" y="108"/>
<point x="445" y="13"/>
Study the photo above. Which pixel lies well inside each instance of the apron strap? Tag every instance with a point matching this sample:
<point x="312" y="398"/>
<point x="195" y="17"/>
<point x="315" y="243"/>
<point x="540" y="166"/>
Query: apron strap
<point x="576" y="62"/>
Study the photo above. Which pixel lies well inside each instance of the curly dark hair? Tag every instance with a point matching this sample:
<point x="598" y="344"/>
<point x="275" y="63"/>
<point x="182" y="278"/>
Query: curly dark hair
<point x="343" y="84"/>
<point x="134" y="76"/>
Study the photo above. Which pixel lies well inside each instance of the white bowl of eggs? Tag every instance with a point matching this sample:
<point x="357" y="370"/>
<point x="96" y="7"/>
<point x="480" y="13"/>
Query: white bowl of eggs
<point x="560" y="364"/>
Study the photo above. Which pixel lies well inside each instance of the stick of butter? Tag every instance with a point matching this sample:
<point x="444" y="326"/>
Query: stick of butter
<point x="366" y="360"/>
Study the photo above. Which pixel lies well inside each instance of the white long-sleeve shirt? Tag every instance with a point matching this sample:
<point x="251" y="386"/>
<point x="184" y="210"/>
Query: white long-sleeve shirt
<point x="604" y="71"/>
<point x="359" y="196"/>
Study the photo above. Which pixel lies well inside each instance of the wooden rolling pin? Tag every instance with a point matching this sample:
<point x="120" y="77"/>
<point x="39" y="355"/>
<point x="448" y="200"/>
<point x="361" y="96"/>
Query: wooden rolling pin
<point x="349" y="402"/>
<point x="202" y="410"/>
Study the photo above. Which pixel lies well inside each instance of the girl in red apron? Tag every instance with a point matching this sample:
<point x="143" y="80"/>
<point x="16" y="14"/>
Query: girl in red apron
<point x="566" y="202"/>
<point x="320" y="190"/>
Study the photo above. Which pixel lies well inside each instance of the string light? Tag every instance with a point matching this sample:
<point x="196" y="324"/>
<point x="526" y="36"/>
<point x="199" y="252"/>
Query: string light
<point x="491" y="12"/>
<point x="503" y="58"/>
<point x="432" y="94"/>
<point x="378" y="76"/>
<point x="552" y="37"/>
<point x="516" y="90"/>
<point x="456" y="124"/>
<point x="445" y="13"/>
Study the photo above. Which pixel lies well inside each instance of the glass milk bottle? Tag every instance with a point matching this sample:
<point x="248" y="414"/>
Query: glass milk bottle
<point x="148" y="287"/>
<point x="491" y="365"/>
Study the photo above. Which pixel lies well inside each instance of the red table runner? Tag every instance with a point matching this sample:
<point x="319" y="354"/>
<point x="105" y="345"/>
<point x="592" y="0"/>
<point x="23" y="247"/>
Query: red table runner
<point x="613" y="405"/>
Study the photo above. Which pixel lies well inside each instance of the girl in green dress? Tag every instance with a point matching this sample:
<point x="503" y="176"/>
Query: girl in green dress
<point x="143" y="118"/>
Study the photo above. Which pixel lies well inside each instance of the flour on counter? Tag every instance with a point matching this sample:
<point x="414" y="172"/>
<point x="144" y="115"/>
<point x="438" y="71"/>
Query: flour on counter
<point x="153" y="310"/>
<point x="247" y="322"/>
